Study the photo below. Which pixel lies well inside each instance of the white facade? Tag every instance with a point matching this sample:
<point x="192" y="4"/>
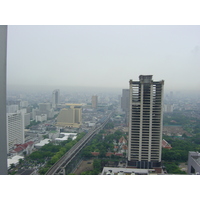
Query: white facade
<point x="15" y="130"/>
<point x="12" y="108"/>
<point x="145" y="122"/>
<point x="23" y="104"/>
<point x="168" y="108"/>
<point x="41" y="118"/>
<point x="42" y="143"/>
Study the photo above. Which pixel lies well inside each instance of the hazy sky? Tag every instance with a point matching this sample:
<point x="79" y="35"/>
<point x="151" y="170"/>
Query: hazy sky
<point x="103" y="56"/>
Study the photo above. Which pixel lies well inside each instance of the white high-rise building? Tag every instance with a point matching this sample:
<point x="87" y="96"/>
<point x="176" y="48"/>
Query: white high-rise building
<point x="55" y="98"/>
<point x="145" y="123"/>
<point x="15" y="130"/>
<point x="12" y="108"/>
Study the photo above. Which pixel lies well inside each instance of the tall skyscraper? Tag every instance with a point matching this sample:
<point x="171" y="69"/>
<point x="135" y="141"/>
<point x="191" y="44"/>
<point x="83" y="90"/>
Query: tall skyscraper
<point x="55" y="98"/>
<point x="125" y="103"/>
<point x="15" y="129"/>
<point x="94" y="101"/>
<point x="145" y="123"/>
<point x="125" y="100"/>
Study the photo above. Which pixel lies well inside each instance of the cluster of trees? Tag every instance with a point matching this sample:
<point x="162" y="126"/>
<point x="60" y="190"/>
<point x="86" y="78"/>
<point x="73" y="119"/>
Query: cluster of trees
<point x="179" y="152"/>
<point x="64" y="147"/>
<point x="180" y="149"/>
<point x="173" y="168"/>
<point x="32" y="123"/>
<point x="98" y="144"/>
<point x="97" y="168"/>
<point x="51" y="153"/>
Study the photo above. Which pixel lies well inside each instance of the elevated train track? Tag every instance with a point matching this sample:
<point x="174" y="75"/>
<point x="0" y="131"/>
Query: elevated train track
<point x="67" y="157"/>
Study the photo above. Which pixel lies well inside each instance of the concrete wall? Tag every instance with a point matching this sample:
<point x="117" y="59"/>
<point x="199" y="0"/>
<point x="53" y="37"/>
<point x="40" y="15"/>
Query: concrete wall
<point x="3" y="137"/>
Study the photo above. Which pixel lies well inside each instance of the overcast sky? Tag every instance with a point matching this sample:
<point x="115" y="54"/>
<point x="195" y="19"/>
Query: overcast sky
<point x="103" y="56"/>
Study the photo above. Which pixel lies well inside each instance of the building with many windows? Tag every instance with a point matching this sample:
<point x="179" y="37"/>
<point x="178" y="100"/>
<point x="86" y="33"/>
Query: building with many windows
<point x="71" y="116"/>
<point x="145" y="123"/>
<point x="15" y="130"/>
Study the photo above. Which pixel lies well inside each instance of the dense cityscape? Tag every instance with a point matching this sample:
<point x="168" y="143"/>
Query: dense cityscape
<point x="99" y="100"/>
<point x="41" y="136"/>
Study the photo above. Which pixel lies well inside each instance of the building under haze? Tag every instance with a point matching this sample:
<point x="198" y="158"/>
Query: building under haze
<point x="55" y="98"/>
<point x="145" y="123"/>
<point x="125" y="103"/>
<point x="94" y="101"/>
<point x="15" y="130"/>
<point x="70" y="116"/>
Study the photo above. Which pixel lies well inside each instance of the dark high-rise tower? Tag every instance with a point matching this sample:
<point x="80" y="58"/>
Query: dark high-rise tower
<point x="145" y="122"/>
<point x="55" y="98"/>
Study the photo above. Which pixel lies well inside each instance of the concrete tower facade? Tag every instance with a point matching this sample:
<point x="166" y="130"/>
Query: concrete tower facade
<point x="94" y="101"/>
<point x="145" y="122"/>
<point x="55" y="98"/>
<point x="15" y="130"/>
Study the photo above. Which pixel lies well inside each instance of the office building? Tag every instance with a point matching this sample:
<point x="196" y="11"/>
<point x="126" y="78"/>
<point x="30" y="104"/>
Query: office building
<point x="193" y="162"/>
<point x="55" y="98"/>
<point x="125" y="103"/>
<point x="44" y="107"/>
<point x="12" y="108"/>
<point x="145" y="123"/>
<point x="70" y="116"/>
<point x="15" y="130"/>
<point x="125" y="100"/>
<point x="94" y="101"/>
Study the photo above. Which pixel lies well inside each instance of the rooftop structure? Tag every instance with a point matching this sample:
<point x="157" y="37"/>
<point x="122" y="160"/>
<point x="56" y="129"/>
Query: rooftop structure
<point x="14" y="160"/>
<point x="194" y="162"/>
<point x="42" y="143"/>
<point x="127" y="171"/>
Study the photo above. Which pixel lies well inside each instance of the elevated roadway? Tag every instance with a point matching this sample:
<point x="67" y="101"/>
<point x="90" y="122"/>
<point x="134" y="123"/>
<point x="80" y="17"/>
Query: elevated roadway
<point x="61" y="164"/>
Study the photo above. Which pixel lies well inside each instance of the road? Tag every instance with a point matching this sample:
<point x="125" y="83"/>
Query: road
<point x="67" y="158"/>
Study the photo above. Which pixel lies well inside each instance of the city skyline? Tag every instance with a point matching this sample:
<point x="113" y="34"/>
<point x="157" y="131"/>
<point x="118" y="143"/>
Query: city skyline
<point x="90" y="56"/>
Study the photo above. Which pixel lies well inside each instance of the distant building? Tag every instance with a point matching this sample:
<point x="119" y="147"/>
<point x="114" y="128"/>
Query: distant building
<point x="23" y="104"/>
<point x="41" y="118"/>
<point x="145" y="123"/>
<point x="21" y="148"/>
<point x="42" y="143"/>
<point x="168" y="108"/>
<point x="15" y="130"/>
<point x="12" y="108"/>
<point x="55" y="98"/>
<point x="44" y="107"/>
<point x="166" y="145"/>
<point x="125" y="103"/>
<point x="27" y="119"/>
<point x="193" y="162"/>
<point x="125" y="100"/>
<point x="70" y="116"/>
<point x="94" y="101"/>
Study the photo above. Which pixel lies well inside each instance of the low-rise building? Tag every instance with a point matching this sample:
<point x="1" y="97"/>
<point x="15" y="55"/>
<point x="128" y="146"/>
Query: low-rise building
<point x="194" y="162"/>
<point x="127" y="171"/>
